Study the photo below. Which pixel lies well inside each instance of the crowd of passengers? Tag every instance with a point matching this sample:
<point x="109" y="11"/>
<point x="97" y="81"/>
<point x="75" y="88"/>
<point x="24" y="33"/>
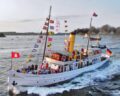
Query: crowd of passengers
<point x="46" y="69"/>
<point x="29" y="69"/>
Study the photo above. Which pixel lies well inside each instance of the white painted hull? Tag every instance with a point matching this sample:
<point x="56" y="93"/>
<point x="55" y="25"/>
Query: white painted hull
<point x="49" y="79"/>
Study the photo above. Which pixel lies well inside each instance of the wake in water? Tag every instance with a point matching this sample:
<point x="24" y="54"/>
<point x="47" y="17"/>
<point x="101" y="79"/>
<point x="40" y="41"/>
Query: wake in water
<point x="84" y="80"/>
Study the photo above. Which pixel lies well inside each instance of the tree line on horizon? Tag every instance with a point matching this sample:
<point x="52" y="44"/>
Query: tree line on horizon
<point x="105" y="29"/>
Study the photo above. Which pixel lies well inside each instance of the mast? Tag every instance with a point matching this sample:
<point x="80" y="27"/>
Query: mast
<point x="47" y="33"/>
<point x="89" y="35"/>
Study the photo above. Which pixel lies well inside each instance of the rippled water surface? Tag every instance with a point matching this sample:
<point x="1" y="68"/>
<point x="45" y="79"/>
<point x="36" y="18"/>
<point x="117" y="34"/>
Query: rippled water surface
<point x="24" y="45"/>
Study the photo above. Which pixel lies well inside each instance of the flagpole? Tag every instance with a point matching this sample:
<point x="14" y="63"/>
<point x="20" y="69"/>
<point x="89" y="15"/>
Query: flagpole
<point x="89" y="35"/>
<point x="11" y="64"/>
<point x="47" y="33"/>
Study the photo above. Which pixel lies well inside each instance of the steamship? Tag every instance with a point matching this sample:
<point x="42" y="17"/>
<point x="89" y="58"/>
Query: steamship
<point x="60" y="66"/>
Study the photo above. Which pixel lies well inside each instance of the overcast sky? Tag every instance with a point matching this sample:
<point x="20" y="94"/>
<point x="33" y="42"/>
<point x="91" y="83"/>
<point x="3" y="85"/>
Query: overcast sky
<point x="29" y="15"/>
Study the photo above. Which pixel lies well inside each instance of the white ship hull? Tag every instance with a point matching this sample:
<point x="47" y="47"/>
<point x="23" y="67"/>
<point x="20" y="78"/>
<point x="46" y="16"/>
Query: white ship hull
<point x="49" y="79"/>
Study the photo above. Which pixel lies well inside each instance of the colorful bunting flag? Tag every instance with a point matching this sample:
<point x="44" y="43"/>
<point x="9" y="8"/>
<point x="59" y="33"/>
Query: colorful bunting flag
<point x="52" y="27"/>
<point x="66" y="30"/>
<point x="45" y="27"/>
<point x="47" y="19"/>
<point x="34" y="50"/>
<point x="29" y="58"/>
<point x="38" y="41"/>
<point x="57" y="25"/>
<point x="65" y="21"/>
<point x="49" y="45"/>
<point x="50" y="33"/>
<point x="49" y="50"/>
<point x="46" y="23"/>
<point x="57" y="30"/>
<point x="51" y="21"/>
<point x="49" y="39"/>
<point x="36" y="46"/>
<point x="40" y="36"/>
<point x="66" y="26"/>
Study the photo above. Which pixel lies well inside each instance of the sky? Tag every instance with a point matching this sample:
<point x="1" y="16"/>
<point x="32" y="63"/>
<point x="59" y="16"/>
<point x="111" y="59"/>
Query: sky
<point x="29" y="15"/>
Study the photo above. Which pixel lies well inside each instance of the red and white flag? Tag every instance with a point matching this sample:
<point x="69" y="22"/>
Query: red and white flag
<point x="15" y="55"/>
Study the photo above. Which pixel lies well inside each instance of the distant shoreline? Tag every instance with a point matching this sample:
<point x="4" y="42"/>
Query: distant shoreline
<point x="103" y="30"/>
<point x="33" y="33"/>
<point x="28" y="33"/>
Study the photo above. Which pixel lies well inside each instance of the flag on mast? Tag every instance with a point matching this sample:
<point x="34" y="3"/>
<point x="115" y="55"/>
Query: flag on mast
<point x="51" y="21"/>
<point x="15" y="55"/>
<point x="49" y="39"/>
<point x="52" y="27"/>
<point x="45" y="27"/>
<point x="57" y="25"/>
<point x="46" y="23"/>
<point x="94" y="14"/>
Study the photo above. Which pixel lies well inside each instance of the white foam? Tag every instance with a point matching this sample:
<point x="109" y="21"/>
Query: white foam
<point x="82" y="81"/>
<point x="116" y="93"/>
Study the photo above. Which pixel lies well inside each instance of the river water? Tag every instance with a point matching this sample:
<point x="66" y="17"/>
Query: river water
<point x="24" y="45"/>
